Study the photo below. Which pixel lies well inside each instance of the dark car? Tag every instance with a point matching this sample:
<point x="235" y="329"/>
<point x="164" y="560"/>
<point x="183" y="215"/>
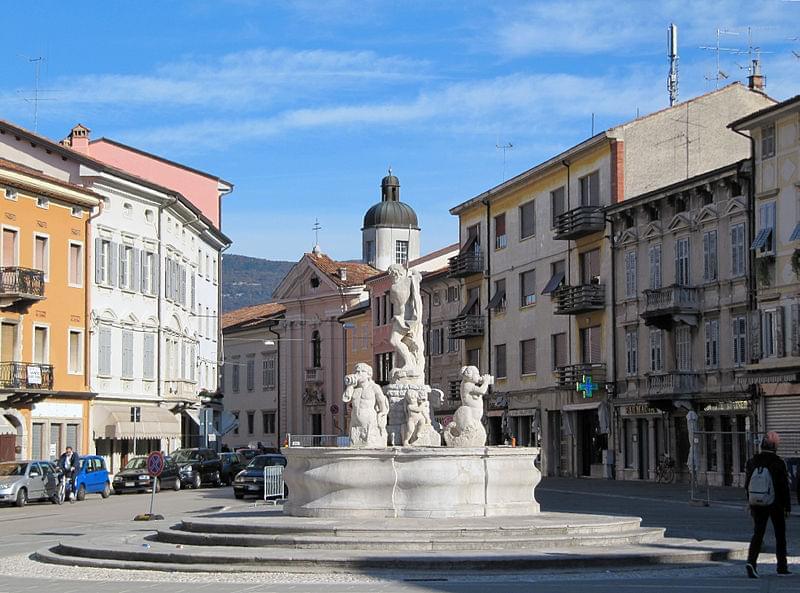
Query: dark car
<point x="198" y="466"/>
<point x="247" y="453"/>
<point x="250" y="481"/>
<point x="232" y="464"/>
<point x="134" y="477"/>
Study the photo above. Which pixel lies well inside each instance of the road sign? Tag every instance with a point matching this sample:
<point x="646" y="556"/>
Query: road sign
<point x="155" y="464"/>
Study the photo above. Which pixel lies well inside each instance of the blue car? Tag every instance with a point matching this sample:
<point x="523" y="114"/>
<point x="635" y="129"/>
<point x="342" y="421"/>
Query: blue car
<point x="92" y="478"/>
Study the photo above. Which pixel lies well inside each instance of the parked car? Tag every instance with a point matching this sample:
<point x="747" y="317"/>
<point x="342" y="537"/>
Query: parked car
<point x="250" y="481"/>
<point x="247" y="453"/>
<point x="198" y="466"/>
<point x="232" y="464"/>
<point x="134" y="477"/>
<point x="92" y="477"/>
<point x="21" y="481"/>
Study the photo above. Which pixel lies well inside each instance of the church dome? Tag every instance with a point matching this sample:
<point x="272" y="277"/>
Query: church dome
<point x="390" y="211"/>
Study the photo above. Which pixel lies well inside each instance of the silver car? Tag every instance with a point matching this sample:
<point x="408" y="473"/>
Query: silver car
<point x="21" y="481"/>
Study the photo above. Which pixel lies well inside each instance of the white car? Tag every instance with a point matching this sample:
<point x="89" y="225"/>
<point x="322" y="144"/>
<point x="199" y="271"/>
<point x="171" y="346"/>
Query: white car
<point x="21" y="481"/>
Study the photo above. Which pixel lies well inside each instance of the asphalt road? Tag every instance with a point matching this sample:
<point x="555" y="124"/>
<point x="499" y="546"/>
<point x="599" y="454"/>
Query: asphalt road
<point x="42" y="524"/>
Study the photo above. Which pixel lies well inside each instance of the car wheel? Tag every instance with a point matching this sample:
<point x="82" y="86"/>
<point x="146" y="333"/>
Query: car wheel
<point x="196" y="481"/>
<point x="177" y="484"/>
<point x="22" y="497"/>
<point x="81" y="492"/>
<point x="239" y="496"/>
<point x="106" y="490"/>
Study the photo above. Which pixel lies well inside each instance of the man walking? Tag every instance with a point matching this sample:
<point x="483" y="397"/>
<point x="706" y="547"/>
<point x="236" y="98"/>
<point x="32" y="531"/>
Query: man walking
<point x="767" y="487"/>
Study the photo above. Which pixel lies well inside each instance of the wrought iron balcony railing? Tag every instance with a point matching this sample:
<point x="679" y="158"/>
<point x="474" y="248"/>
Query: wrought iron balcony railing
<point x="466" y="326"/>
<point x="18" y="284"/>
<point x="579" y="222"/>
<point x="570" y="375"/>
<point x="572" y="300"/>
<point x="673" y="383"/>
<point x="665" y="306"/>
<point x="26" y="375"/>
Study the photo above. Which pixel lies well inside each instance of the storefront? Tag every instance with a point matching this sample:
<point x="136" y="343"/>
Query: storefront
<point x="643" y="438"/>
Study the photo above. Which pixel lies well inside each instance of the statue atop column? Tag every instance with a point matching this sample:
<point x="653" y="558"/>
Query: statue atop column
<point x="407" y="331"/>
<point x="466" y="429"/>
<point x="370" y="408"/>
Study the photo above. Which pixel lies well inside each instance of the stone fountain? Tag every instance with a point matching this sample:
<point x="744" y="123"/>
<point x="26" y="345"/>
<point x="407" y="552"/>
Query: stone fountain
<point x="396" y="465"/>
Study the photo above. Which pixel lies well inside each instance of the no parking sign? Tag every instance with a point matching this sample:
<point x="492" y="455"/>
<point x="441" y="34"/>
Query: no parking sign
<point x="155" y="464"/>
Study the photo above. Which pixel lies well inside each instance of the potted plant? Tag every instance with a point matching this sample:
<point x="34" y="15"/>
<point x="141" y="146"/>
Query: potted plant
<point x="764" y="270"/>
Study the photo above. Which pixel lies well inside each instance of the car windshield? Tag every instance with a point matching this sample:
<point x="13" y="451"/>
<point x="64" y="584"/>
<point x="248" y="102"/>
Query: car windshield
<point x="183" y="455"/>
<point x="13" y="469"/>
<point x="266" y="460"/>
<point x="137" y="463"/>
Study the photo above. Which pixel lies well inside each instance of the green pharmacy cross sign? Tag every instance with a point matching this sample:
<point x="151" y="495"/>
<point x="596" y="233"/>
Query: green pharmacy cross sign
<point x="586" y="386"/>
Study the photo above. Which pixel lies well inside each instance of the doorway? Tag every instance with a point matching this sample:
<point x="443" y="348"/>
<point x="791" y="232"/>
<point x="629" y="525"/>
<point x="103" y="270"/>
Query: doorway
<point x="644" y="449"/>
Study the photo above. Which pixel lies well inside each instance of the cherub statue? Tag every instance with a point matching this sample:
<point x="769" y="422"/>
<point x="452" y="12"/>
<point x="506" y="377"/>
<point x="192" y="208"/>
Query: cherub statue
<point x="466" y="429"/>
<point x="370" y="408"/>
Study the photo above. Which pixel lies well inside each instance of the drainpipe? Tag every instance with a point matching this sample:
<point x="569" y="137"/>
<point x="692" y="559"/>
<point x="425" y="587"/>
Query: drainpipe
<point x="566" y="163"/>
<point x="611" y="419"/>
<point x="428" y="357"/>
<point x="277" y="385"/>
<point x="87" y="369"/>
<point x="161" y="269"/>
<point x="488" y="276"/>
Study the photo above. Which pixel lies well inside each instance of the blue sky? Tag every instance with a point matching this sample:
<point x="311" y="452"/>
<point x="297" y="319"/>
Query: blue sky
<point x="303" y="104"/>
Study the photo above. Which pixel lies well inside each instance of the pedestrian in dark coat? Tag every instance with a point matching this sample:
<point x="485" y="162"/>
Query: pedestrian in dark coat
<point x="777" y="512"/>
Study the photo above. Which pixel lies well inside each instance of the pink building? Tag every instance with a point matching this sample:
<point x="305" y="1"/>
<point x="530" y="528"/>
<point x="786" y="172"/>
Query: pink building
<point x="202" y="189"/>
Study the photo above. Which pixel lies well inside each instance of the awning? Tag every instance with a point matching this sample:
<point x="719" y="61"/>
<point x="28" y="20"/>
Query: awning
<point x="761" y="239"/>
<point x="470" y="304"/>
<point x="468" y="245"/>
<point x="193" y="414"/>
<point x="581" y="407"/>
<point x="6" y="427"/>
<point x="498" y="298"/>
<point x="554" y="282"/>
<point x="114" y="422"/>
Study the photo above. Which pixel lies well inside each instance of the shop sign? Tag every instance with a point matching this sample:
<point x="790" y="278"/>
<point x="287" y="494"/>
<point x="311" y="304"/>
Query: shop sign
<point x="639" y="410"/>
<point x="728" y="406"/>
<point x="586" y="386"/>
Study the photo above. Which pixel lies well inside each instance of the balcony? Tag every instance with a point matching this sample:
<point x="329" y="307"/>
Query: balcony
<point x="572" y="300"/>
<point x="18" y="285"/>
<point x="579" y="222"/>
<point x="668" y="306"/>
<point x="466" y="326"/>
<point x="569" y="376"/>
<point x="465" y="264"/>
<point x="672" y="384"/>
<point x="315" y="375"/>
<point x="26" y="375"/>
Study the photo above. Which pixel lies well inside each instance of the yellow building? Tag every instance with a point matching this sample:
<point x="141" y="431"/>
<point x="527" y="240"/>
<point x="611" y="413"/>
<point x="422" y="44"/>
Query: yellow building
<point x="44" y="394"/>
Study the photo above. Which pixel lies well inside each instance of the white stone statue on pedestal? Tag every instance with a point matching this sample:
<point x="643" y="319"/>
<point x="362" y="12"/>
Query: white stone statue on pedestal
<point x="418" y="428"/>
<point x="466" y="429"/>
<point x="370" y="408"/>
<point x="407" y="331"/>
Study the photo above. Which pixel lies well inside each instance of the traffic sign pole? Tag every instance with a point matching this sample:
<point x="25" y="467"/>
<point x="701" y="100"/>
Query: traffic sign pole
<point x="155" y="465"/>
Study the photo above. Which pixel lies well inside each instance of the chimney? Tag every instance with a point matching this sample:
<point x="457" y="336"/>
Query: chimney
<point x="78" y="139"/>
<point x="343" y="274"/>
<point x="756" y="81"/>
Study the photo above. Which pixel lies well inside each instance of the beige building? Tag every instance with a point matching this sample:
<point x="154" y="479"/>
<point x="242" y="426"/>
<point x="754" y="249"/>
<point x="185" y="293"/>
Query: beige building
<point x="536" y="266"/>
<point x="773" y="369"/>
<point x="681" y="322"/>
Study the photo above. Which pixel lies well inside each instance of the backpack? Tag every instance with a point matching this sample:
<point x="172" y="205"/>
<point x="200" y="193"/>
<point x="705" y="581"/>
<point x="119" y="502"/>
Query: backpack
<point x="761" y="493"/>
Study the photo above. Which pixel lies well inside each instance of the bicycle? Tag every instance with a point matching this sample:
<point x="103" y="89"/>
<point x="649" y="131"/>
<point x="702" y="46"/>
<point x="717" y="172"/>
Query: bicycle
<point x="60" y="490"/>
<point x="665" y="470"/>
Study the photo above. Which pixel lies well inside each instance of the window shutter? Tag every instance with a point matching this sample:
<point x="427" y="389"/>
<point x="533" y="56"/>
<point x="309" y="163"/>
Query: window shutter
<point x="144" y="272"/>
<point x="111" y="273"/>
<point x="98" y="261"/>
<point x="149" y="356"/>
<point x="155" y="275"/>
<point x="193" y="292"/>
<point x="755" y="336"/>
<point x="123" y="267"/>
<point x="779" y="329"/>
<point x="137" y="262"/>
<point x="795" y="337"/>
<point x="706" y="256"/>
<point x="168" y="279"/>
<point x="182" y="284"/>
<point x="713" y="254"/>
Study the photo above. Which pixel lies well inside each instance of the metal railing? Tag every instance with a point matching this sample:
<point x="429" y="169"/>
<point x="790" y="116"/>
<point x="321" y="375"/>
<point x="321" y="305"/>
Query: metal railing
<point x="26" y="375"/>
<point x="317" y="440"/>
<point x="568" y="376"/>
<point x="22" y="281"/>
<point x="673" y="383"/>
<point x="465" y="264"/>
<point x="671" y="297"/>
<point x="466" y="326"/>
<point x="579" y="222"/>
<point x="273" y="481"/>
<point x="315" y="375"/>
<point x="571" y="300"/>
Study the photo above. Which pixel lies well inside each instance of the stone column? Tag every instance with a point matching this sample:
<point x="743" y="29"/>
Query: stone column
<point x="651" y="447"/>
<point x="735" y="449"/>
<point x="634" y="423"/>
<point x="720" y="452"/>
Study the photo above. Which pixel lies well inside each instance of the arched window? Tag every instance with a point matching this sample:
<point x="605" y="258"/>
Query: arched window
<point x="316" y="350"/>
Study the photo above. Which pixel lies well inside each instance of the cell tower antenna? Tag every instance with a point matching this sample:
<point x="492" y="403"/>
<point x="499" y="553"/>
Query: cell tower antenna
<point x="505" y="148"/>
<point x="672" y="54"/>
<point x="719" y="74"/>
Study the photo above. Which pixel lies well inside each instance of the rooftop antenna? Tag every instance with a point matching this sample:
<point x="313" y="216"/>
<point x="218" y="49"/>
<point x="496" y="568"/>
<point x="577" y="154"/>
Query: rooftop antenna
<point x="719" y="74"/>
<point x="37" y="66"/>
<point x="672" y="54"/>
<point x="316" y="228"/>
<point x="505" y="148"/>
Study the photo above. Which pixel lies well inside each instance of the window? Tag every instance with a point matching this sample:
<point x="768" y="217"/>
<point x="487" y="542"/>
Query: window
<point x="75" y="354"/>
<point x="765" y="239"/>
<point x="683" y="348"/>
<point x="527" y="357"/>
<point x="149" y="274"/>
<point x="557" y="275"/>
<point x="527" y="220"/>
<point x="737" y="250"/>
<point x="42" y="202"/>
<point x="75" y="264"/>
<point x="104" y="352"/>
<point x="768" y="141"/>
<point x="316" y="350"/>
<point x="104" y="261"/>
<point x="453" y="345"/>
<point x="401" y="252"/>
<point x="127" y="210"/>
<point x="369" y="252"/>
<point x="149" y="357"/>
<point x="11" y="193"/>
<point x="557" y="204"/>
<point x="712" y="343"/>
<point x="527" y="290"/>
<point x="655" y="265"/>
<point x="126" y="267"/>
<point x="251" y="416"/>
<point x="214" y="270"/>
<point x="208" y="266"/>
<point x="268" y="372"/>
<point x="739" y="341"/>
<point x="437" y="341"/>
<point x="710" y="256"/>
<point x="500" y="361"/>
<point x="632" y="351"/>
<point x="9" y="248"/>
<point x="251" y="375"/>
<point x="498" y="301"/>
<point x="453" y="294"/>
<point x="500" y="237"/>
<point x="590" y="266"/>
<point x="769" y="333"/>
<point x="591" y="345"/>
<point x="560" y="357"/>
<point x="41" y="346"/>
<point x="127" y="354"/>
<point x="235" y="377"/>
<point x="590" y="189"/>
<point x="630" y="274"/>
<point x="268" y="422"/>
<point x="236" y="422"/>
<point x="9" y="335"/>
<point x="41" y="254"/>
<point x="656" y="360"/>
<point x="474" y="357"/>
<point x="682" y="262"/>
<point x="437" y="298"/>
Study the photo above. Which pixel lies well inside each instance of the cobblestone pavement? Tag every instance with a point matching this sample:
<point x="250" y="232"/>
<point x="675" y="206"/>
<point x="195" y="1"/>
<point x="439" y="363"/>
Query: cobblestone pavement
<point x="25" y="530"/>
